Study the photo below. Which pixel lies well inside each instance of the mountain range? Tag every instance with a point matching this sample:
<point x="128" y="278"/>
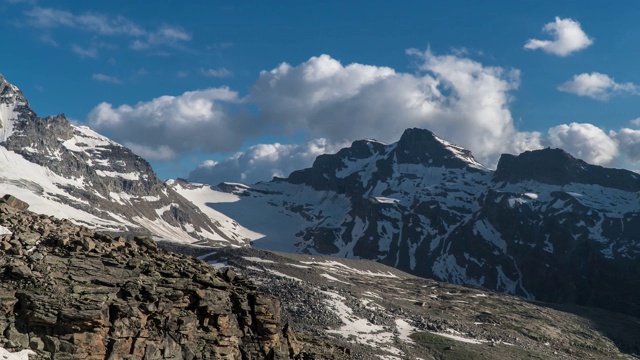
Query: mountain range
<point x="543" y="225"/>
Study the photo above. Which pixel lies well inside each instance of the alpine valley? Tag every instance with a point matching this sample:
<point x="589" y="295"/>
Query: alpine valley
<point x="359" y="248"/>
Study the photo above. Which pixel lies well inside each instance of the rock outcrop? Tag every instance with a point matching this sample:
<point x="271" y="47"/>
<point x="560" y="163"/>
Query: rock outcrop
<point x="68" y="292"/>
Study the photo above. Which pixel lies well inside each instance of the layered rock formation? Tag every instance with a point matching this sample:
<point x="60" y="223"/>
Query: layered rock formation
<point x="67" y="292"/>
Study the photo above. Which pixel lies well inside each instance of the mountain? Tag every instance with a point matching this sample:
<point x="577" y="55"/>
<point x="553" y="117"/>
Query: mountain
<point x="69" y="292"/>
<point x="73" y="172"/>
<point x="543" y="225"/>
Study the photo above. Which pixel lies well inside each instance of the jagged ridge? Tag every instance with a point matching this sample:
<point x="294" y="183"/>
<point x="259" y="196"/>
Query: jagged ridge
<point x="544" y="225"/>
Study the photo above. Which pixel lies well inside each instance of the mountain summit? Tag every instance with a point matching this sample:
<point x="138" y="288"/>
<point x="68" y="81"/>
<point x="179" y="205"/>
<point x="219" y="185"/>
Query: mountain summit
<point x="73" y="172"/>
<point x="368" y="162"/>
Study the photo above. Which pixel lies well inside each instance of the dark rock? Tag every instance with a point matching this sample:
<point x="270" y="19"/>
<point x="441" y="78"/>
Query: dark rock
<point x="557" y="167"/>
<point x="14" y="202"/>
<point x="97" y="297"/>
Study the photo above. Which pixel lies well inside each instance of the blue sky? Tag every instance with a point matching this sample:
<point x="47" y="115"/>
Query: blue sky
<point x="199" y="87"/>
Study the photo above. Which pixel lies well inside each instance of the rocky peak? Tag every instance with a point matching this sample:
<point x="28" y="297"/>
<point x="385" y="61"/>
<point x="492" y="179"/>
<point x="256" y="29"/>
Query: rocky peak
<point x="335" y="171"/>
<point x="14" y="108"/>
<point x="9" y="92"/>
<point x="557" y="167"/>
<point x="365" y="162"/>
<point x="420" y="146"/>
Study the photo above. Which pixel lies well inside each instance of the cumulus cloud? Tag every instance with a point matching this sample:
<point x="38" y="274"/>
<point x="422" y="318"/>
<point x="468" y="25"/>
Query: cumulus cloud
<point x="262" y="162"/>
<point x="629" y="143"/>
<point x="568" y="37"/>
<point x="596" y="86"/>
<point x="458" y="98"/>
<point x="201" y="120"/>
<point x="584" y="141"/>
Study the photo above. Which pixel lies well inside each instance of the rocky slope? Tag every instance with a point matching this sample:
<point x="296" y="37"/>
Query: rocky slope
<point x="73" y="172"/>
<point x="543" y="225"/>
<point x="67" y="292"/>
<point x="380" y="312"/>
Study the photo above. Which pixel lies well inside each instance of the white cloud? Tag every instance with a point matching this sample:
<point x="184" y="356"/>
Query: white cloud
<point x="567" y="35"/>
<point x="584" y="141"/>
<point x="52" y="18"/>
<point x="165" y="35"/>
<point x="90" y="52"/>
<point x="596" y="86"/>
<point x="459" y="99"/>
<point x="106" y="78"/>
<point x="216" y="73"/>
<point x="629" y="143"/>
<point x="49" y="18"/>
<point x="194" y="121"/>
<point x="262" y="162"/>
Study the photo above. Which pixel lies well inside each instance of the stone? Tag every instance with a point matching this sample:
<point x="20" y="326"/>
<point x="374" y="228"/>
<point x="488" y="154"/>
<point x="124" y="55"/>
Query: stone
<point x="14" y="202"/>
<point x="35" y="343"/>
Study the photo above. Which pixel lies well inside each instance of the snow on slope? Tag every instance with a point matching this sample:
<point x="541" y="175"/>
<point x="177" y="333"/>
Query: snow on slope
<point x="254" y="218"/>
<point x="39" y="187"/>
<point x="7" y="115"/>
<point x="202" y="196"/>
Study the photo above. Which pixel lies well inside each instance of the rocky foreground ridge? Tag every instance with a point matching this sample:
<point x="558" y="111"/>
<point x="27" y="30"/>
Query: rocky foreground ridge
<point x="380" y="312"/>
<point x="67" y="292"/>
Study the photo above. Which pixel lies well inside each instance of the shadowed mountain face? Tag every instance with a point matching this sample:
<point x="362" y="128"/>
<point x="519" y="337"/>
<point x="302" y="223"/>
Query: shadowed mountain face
<point x="73" y="172"/>
<point x="557" y="167"/>
<point x="543" y="225"/>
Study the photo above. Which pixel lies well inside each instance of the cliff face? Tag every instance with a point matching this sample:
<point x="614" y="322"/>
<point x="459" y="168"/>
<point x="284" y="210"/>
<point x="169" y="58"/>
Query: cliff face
<point x="69" y="293"/>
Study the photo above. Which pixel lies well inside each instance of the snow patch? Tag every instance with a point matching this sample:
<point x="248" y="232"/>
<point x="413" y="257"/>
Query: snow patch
<point x="20" y="355"/>
<point x="258" y="260"/>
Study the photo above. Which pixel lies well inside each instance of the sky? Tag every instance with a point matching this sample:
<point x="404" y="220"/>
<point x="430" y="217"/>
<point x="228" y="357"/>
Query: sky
<point x="244" y="91"/>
